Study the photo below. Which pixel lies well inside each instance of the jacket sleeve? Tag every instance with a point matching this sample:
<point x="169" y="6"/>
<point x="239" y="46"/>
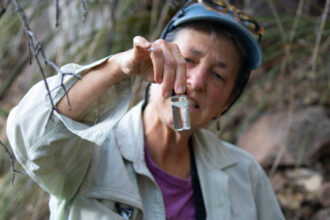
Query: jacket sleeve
<point x="53" y="149"/>
<point x="265" y="199"/>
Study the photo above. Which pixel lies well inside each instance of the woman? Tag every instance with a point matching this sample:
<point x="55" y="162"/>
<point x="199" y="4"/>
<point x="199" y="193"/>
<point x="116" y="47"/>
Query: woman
<point x="98" y="161"/>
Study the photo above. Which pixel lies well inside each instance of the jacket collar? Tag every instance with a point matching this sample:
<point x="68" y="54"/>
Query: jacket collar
<point x="210" y="149"/>
<point x="130" y="138"/>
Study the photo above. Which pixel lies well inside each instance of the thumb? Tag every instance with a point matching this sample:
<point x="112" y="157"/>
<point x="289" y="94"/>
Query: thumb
<point x="141" y="43"/>
<point x="140" y="49"/>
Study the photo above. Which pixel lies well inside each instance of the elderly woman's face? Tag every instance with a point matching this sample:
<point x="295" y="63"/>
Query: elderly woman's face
<point x="212" y="67"/>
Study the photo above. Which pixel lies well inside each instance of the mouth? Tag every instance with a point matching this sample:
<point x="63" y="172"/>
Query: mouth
<point x="193" y="104"/>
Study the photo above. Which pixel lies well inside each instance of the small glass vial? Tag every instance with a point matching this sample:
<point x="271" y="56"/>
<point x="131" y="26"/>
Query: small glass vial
<point x="180" y="112"/>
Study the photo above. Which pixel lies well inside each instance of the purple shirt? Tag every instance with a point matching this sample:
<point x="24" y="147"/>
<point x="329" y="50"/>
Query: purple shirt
<point x="177" y="193"/>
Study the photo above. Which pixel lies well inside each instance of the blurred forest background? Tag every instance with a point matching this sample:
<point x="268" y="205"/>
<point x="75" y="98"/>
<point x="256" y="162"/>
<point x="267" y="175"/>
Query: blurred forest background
<point x="283" y="118"/>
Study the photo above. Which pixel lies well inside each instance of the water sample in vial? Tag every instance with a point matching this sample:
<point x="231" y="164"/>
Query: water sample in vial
<point x="180" y="112"/>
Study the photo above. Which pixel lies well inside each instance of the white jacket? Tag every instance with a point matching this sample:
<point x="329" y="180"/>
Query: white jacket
<point x="88" y="167"/>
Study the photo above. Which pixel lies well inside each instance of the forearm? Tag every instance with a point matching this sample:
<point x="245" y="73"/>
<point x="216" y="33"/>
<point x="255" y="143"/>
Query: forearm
<point x="159" y="61"/>
<point x="93" y="83"/>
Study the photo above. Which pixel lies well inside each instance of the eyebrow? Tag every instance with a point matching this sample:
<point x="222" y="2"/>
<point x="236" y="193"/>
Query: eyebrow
<point x="201" y="54"/>
<point x="196" y="52"/>
<point x="221" y="65"/>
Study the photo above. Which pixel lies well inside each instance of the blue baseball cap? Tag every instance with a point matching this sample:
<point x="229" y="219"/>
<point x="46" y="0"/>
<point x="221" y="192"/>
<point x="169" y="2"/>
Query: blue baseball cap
<point x="199" y="13"/>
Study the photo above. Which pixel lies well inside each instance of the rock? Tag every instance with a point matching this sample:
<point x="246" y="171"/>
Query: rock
<point x="302" y="137"/>
<point x="278" y="181"/>
<point x="309" y="180"/>
<point x="290" y="199"/>
<point x="326" y="165"/>
<point x="323" y="214"/>
<point x="299" y="192"/>
<point x="324" y="195"/>
<point x="297" y="186"/>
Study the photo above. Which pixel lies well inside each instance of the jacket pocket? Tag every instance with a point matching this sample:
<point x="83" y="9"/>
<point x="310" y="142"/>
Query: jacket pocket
<point x="116" y="208"/>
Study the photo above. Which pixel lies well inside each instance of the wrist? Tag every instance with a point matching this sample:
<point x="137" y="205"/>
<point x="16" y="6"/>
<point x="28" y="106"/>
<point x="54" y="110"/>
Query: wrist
<point x="114" y="69"/>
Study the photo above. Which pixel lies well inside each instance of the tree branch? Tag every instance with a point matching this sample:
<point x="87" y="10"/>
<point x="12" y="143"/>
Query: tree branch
<point x="12" y="163"/>
<point x="84" y="8"/>
<point x="36" y="50"/>
<point x="4" y="7"/>
<point x="57" y="13"/>
<point x="113" y="7"/>
<point x="319" y="36"/>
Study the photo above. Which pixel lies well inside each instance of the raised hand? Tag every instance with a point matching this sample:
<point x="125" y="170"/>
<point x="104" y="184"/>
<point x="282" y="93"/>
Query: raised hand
<point x="160" y="62"/>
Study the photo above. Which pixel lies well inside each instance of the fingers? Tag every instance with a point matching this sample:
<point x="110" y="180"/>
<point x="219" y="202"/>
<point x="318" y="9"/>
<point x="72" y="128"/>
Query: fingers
<point x="161" y="61"/>
<point x="157" y="58"/>
<point x="141" y="42"/>
<point x="140" y="48"/>
<point x="181" y="69"/>
<point x="169" y="67"/>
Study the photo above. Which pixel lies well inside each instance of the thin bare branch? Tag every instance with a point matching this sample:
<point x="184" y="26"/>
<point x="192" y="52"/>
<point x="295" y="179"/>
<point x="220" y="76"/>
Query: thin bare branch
<point x="173" y="3"/>
<point x="154" y="14"/>
<point x="4" y="7"/>
<point x="283" y="147"/>
<point x="36" y="51"/>
<point x="57" y="13"/>
<point x="277" y="18"/>
<point x="295" y="23"/>
<point x="12" y="162"/>
<point x="161" y="21"/>
<point x="288" y="44"/>
<point x="84" y="9"/>
<point x="113" y="7"/>
<point x="319" y="36"/>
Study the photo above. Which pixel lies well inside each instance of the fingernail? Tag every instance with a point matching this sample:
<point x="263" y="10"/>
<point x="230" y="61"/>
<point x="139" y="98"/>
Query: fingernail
<point x="180" y="90"/>
<point x="152" y="48"/>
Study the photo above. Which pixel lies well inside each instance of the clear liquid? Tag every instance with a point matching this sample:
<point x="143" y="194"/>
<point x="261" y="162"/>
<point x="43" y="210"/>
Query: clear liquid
<point x="180" y="113"/>
<point x="179" y="104"/>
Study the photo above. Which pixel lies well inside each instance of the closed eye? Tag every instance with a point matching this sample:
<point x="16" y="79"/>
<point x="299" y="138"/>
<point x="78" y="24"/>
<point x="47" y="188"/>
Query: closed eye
<point x="217" y="75"/>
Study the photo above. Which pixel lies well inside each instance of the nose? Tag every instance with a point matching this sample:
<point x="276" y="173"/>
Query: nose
<point x="196" y="78"/>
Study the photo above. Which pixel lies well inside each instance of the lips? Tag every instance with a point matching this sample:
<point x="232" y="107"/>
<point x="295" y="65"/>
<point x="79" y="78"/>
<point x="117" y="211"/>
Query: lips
<point x="192" y="103"/>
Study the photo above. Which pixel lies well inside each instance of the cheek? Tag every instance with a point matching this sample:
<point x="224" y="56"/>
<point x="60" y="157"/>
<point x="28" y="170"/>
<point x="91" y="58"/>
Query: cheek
<point x="216" y="96"/>
<point x="219" y="98"/>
